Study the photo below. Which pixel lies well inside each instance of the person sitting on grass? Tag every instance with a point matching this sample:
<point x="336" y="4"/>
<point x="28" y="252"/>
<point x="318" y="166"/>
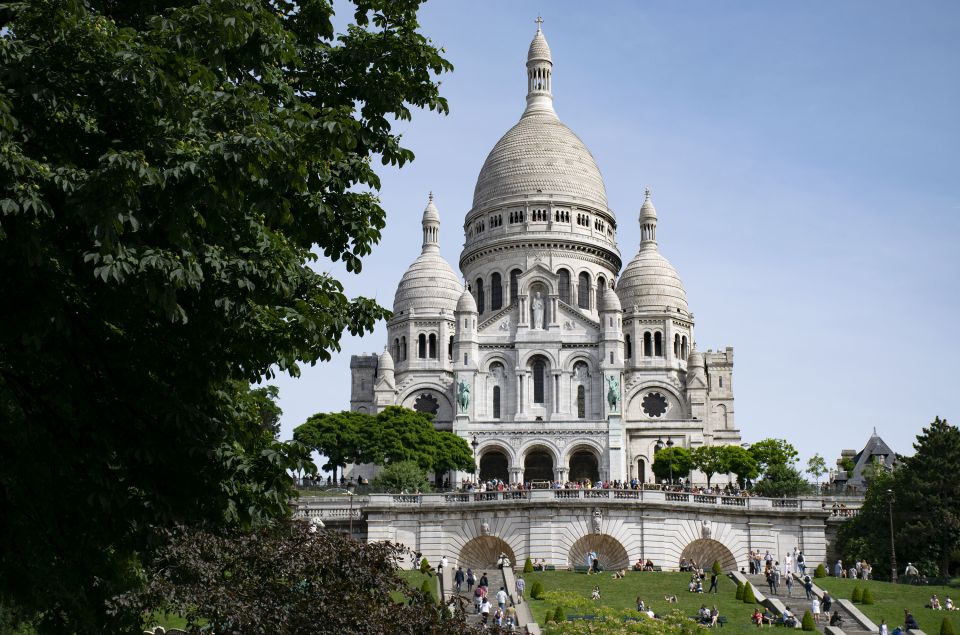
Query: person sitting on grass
<point x="714" y="615"/>
<point x="648" y="566"/>
<point x="757" y="617"/>
<point x="596" y="593"/>
<point x="639" y="565"/>
<point x="703" y="615"/>
<point x="619" y="575"/>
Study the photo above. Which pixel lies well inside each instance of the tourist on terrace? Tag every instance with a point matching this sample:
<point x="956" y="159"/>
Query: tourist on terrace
<point x="836" y="620"/>
<point x="910" y="622"/>
<point x="471" y="579"/>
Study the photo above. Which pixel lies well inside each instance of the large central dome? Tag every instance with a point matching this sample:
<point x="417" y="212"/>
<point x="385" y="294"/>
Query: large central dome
<point x="540" y="155"/>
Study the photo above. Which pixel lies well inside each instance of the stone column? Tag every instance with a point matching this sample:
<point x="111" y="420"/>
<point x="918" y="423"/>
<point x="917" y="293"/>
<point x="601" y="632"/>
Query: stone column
<point x="524" y="318"/>
<point x="555" y="311"/>
<point x="516" y="474"/>
<point x="556" y="391"/>
<point x="521" y="408"/>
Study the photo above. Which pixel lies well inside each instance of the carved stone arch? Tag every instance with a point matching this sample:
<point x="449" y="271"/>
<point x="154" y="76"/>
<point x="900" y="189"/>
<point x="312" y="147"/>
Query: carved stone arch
<point x="580" y="356"/>
<point x="582" y="444"/>
<point x="446" y="408"/>
<point x="721" y="412"/>
<point x="481" y="553"/>
<point x="705" y="550"/>
<point x="528" y="355"/>
<point x="502" y="446"/>
<point x="637" y="393"/>
<point x="538" y="460"/>
<point x="610" y="552"/>
<point x="584" y="460"/>
<point x="492" y="358"/>
<point x="537" y="274"/>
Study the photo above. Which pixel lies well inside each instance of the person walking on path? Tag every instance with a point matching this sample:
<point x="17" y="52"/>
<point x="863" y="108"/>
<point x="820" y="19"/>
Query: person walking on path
<point x="502" y="598"/>
<point x="776" y="580"/>
<point x="713" y="583"/>
<point x="808" y="586"/>
<point x="521" y="586"/>
<point x="471" y="580"/>
<point x="789" y="585"/>
<point x="458" y="579"/>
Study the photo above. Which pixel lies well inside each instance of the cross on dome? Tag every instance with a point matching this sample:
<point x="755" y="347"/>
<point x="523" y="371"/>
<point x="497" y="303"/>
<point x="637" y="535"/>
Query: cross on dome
<point x="539" y="21"/>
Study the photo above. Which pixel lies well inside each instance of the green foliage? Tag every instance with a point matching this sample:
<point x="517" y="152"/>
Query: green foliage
<point x="748" y="595"/>
<point x="548" y="616"/>
<point x="946" y="627"/>
<point x="741" y="463"/>
<point x="848" y="466"/>
<point x="739" y="594"/>
<point x="820" y="572"/>
<point x="427" y="589"/>
<point x="770" y="452"/>
<point x="402" y="477"/>
<point x="175" y="179"/>
<point x="559" y="615"/>
<point x="716" y="569"/>
<point x="807" y="624"/>
<point x="781" y="480"/>
<point x="816" y="467"/>
<point x="424" y="565"/>
<point x="710" y="459"/>
<point x="867" y="596"/>
<point x="528" y="566"/>
<point x="342" y="437"/>
<point x="536" y="590"/>
<point x="675" y="460"/>
<point x="857" y="595"/>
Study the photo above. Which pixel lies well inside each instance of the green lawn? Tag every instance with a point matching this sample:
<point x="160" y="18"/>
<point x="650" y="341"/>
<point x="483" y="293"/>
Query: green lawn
<point x="652" y="587"/>
<point x="891" y="599"/>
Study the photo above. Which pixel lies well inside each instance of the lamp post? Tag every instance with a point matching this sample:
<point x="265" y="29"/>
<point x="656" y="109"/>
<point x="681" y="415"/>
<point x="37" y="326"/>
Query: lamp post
<point x="474" y="444"/>
<point x="669" y="447"/>
<point x="893" y="548"/>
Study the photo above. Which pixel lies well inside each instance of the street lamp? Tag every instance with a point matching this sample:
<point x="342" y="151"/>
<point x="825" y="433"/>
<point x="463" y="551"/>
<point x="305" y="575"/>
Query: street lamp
<point x="474" y="444"/>
<point x="670" y="446"/>
<point x="657" y="447"/>
<point x="893" y="548"/>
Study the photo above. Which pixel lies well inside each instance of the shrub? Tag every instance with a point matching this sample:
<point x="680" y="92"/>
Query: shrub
<point x="548" y="617"/>
<point x="739" y="594"/>
<point x="716" y="567"/>
<point x="536" y="590"/>
<point x="748" y="596"/>
<point x="867" y="596"/>
<point x="821" y="571"/>
<point x="424" y="565"/>
<point x="528" y="566"/>
<point x="559" y="615"/>
<point x="946" y="627"/>
<point x="807" y="623"/>
<point x="427" y="590"/>
<point x="857" y="596"/>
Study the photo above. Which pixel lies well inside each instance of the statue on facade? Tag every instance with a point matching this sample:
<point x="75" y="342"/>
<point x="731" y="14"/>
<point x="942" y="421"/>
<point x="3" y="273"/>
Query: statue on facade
<point x="705" y="530"/>
<point x="597" y="520"/>
<point x="537" y="311"/>
<point x="484" y="528"/>
<point x="463" y="395"/>
<point x="613" y="392"/>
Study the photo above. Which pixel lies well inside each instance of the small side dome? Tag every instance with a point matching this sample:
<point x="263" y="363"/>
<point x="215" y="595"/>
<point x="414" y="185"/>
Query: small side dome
<point x="610" y="302"/>
<point x="695" y="359"/>
<point x="539" y="49"/>
<point x="650" y="282"/>
<point x="431" y="214"/>
<point x="429" y="286"/>
<point x="386" y="360"/>
<point x="466" y="304"/>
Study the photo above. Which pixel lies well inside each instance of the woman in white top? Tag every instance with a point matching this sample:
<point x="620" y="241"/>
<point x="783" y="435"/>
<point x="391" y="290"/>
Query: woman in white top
<point x="815" y="609"/>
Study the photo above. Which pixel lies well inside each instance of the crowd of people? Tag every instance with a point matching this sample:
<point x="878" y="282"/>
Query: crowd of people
<point x="498" y="485"/>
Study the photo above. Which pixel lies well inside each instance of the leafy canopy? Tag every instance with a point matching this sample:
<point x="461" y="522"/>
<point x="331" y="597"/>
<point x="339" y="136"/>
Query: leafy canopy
<point x="175" y="176"/>
<point x="676" y="461"/>
<point x="710" y="459"/>
<point x="770" y="452"/>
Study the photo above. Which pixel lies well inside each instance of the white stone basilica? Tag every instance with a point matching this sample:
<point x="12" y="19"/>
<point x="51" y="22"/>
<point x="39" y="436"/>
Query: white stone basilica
<point x="558" y="365"/>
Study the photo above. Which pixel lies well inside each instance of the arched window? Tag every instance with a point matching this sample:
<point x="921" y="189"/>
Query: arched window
<point x="583" y="293"/>
<point x="647" y="344"/>
<point x="658" y="344"/>
<point x="628" y="346"/>
<point x="450" y="349"/>
<point x="683" y="347"/>
<point x="496" y="402"/>
<point x="601" y="288"/>
<point x="676" y="345"/>
<point x="479" y="292"/>
<point x="581" y="402"/>
<point x="514" y="284"/>
<point x="539" y="369"/>
<point x="396" y="350"/>
<point x="433" y="346"/>
<point x="564" y="285"/>
<point x="403" y="348"/>
<point x="422" y="346"/>
<point x="496" y="292"/>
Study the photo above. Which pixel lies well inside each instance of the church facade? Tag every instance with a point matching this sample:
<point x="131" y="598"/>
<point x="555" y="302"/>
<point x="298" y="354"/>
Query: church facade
<point x="554" y="361"/>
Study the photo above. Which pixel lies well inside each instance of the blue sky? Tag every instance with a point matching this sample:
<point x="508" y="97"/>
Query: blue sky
<point x="803" y="162"/>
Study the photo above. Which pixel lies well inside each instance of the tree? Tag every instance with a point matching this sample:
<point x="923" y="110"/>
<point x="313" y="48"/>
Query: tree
<point x="674" y="461"/>
<point x="710" y="459"/>
<point x="402" y="476"/>
<point x="807" y="623"/>
<point x="170" y="174"/>
<point x="748" y="595"/>
<point x="402" y="434"/>
<point x="740" y="463"/>
<point x="816" y="467"/>
<point x="342" y="437"/>
<point x="287" y="579"/>
<point x="781" y="480"/>
<point x="770" y="452"/>
<point x="452" y="453"/>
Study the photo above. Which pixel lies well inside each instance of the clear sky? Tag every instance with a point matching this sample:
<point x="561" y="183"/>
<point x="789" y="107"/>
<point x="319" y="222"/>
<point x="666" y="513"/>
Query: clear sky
<point x="803" y="159"/>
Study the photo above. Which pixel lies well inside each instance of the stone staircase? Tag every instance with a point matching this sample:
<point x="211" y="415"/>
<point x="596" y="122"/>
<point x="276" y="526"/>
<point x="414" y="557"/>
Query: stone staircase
<point x="497" y="577"/>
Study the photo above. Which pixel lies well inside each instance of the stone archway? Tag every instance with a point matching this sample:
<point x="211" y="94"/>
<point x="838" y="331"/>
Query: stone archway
<point x="612" y="555"/>
<point x="494" y="464"/>
<point x="584" y="466"/>
<point x="537" y="466"/>
<point x="705" y="550"/>
<point x="482" y="552"/>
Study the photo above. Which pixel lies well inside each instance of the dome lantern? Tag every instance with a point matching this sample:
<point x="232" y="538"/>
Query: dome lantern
<point x="539" y="75"/>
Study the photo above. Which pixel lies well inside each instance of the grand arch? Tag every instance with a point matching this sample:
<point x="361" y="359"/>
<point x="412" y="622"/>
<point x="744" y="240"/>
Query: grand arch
<point x="482" y="553"/>
<point x="704" y="551"/>
<point x="610" y="552"/>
